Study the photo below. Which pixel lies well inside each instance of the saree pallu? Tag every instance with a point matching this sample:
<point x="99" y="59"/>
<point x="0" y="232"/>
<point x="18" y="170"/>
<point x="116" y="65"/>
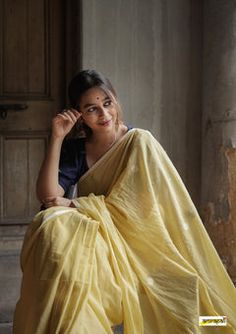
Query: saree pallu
<point x="133" y="251"/>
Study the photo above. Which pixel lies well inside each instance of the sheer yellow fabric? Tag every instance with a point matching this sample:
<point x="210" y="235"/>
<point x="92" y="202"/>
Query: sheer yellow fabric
<point x="133" y="251"/>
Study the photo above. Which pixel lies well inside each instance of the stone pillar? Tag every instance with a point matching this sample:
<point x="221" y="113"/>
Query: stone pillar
<point x="219" y="128"/>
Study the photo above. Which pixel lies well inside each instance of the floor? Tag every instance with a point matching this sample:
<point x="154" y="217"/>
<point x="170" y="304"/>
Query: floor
<point x="6" y="328"/>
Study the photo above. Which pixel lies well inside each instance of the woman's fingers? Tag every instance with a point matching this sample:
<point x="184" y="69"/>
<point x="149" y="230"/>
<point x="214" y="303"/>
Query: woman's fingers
<point x="77" y="113"/>
<point x="66" y="116"/>
<point x="63" y="122"/>
<point x="70" y="114"/>
<point x="72" y="111"/>
<point x="62" y="116"/>
<point x="56" y="201"/>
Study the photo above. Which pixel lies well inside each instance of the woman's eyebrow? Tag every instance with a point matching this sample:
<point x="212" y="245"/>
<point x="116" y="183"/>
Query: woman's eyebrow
<point x="88" y="105"/>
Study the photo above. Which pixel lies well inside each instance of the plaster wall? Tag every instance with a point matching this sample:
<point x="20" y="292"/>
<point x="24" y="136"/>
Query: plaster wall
<point x="151" y="52"/>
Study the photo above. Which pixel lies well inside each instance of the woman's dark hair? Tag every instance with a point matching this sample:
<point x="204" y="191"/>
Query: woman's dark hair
<point x="85" y="80"/>
<point x="82" y="82"/>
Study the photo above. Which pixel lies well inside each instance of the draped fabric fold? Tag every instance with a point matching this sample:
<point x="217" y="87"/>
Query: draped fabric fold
<point x="133" y="251"/>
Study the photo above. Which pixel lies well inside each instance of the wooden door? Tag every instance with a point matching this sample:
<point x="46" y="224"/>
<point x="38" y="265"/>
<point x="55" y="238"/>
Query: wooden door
<point x="31" y="80"/>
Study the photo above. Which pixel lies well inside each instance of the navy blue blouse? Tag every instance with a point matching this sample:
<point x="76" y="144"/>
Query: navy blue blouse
<point x="72" y="161"/>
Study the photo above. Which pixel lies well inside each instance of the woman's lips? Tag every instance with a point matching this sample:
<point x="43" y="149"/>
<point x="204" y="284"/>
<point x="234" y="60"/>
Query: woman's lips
<point x="105" y="123"/>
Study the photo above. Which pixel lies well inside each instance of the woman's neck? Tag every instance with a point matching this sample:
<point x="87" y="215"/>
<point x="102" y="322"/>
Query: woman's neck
<point x="105" y="138"/>
<point x="99" y="144"/>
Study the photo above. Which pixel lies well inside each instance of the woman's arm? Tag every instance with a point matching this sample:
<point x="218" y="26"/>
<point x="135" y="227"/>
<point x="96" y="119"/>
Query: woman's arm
<point x="47" y="187"/>
<point x="47" y="183"/>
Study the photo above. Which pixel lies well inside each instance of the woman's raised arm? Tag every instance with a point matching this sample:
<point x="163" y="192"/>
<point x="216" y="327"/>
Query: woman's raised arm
<point x="47" y="183"/>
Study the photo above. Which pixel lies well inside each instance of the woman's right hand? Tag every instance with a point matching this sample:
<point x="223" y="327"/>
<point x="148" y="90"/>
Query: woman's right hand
<point x="63" y="122"/>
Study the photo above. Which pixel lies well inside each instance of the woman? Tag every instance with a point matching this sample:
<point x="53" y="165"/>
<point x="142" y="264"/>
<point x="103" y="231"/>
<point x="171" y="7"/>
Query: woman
<point x="95" y="107"/>
<point x="131" y="248"/>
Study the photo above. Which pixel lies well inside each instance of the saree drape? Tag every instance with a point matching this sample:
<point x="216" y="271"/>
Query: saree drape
<point x="133" y="251"/>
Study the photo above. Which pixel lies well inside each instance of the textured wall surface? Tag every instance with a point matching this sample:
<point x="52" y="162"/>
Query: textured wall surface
<point x="151" y="51"/>
<point x="219" y="128"/>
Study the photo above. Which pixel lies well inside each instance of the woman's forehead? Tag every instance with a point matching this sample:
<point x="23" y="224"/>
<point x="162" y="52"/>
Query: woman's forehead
<point x="95" y="93"/>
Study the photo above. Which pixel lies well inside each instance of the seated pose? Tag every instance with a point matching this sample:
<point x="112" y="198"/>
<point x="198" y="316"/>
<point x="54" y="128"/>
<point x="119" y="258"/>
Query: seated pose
<point x="130" y="253"/>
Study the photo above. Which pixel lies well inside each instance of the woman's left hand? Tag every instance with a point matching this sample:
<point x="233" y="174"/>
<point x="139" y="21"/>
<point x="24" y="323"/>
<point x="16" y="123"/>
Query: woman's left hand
<point x="56" y="201"/>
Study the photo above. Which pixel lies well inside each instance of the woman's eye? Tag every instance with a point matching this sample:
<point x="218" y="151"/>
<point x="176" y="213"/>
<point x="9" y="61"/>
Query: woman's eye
<point x="107" y="103"/>
<point x="92" y="109"/>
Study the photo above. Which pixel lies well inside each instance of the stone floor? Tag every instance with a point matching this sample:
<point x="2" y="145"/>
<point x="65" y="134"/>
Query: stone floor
<point x="6" y="328"/>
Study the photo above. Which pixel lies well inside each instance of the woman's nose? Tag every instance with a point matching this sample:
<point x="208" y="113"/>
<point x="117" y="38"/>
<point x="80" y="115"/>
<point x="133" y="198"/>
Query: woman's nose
<point x="102" y="111"/>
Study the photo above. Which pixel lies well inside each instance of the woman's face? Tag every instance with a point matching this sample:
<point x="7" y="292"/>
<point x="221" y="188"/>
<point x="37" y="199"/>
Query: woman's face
<point x="99" y="111"/>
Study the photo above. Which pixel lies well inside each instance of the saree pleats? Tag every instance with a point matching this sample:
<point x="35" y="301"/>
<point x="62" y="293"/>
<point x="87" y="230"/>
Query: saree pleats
<point x="133" y="251"/>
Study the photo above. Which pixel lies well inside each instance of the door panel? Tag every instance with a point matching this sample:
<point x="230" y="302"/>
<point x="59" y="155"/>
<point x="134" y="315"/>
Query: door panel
<point x="15" y="178"/>
<point x="31" y="73"/>
<point x="22" y="156"/>
<point x="31" y="66"/>
<point x="25" y="55"/>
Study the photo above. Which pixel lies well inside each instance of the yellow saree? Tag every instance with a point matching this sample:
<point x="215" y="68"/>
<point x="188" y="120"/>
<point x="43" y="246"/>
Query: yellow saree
<point x="133" y="251"/>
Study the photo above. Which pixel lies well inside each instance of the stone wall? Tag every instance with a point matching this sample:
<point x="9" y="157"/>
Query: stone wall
<point x="219" y="128"/>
